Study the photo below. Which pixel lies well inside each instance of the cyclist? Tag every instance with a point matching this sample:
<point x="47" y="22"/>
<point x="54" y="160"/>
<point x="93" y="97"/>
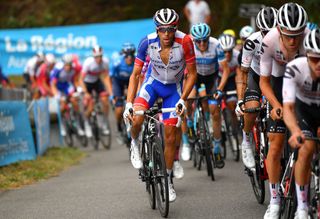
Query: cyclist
<point x="64" y="80"/>
<point x="248" y="89"/>
<point x="120" y="73"/>
<point x="30" y="71"/>
<point x="93" y="68"/>
<point x="301" y="107"/>
<point x="209" y="56"/>
<point x="170" y="52"/>
<point x="228" y="43"/>
<point x="279" y="46"/>
<point x="43" y="76"/>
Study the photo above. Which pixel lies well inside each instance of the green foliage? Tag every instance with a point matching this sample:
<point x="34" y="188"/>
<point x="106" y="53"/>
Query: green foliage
<point x="38" y="13"/>
<point x="27" y="172"/>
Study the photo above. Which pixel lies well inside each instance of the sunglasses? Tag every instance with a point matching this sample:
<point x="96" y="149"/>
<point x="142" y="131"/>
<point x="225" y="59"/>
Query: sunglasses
<point x="202" y="40"/>
<point x="264" y="32"/>
<point x="167" y="29"/>
<point x="314" y="59"/>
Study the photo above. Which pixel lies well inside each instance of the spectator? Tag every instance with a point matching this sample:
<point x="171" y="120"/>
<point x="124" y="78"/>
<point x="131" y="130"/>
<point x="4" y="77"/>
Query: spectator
<point x="197" y="11"/>
<point x="4" y="80"/>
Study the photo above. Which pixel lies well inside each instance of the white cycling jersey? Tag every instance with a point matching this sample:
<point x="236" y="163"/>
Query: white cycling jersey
<point x="181" y="53"/>
<point x="273" y="58"/>
<point x="32" y="67"/>
<point x="208" y="61"/>
<point x="233" y="64"/>
<point x="92" y="70"/>
<point x="251" y="52"/>
<point x="298" y="83"/>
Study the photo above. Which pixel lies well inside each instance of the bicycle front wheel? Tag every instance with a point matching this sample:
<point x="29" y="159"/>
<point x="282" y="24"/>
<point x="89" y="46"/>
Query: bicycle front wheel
<point x="258" y="185"/>
<point x="105" y="138"/>
<point x="160" y="178"/>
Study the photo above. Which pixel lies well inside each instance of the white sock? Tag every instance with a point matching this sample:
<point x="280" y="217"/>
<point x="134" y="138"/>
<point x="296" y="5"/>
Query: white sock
<point x="135" y="141"/>
<point x="274" y="194"/>
<point x="246" y="139"/>
<point x="302" y="196"/>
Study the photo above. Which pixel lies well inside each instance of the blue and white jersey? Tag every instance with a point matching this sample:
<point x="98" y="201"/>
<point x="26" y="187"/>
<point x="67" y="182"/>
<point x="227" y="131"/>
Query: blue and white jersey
<point x="182" y="53"/>
<point x="208" y="61"/>
<point x="233" y="64"/>
<point x="120" y="69"/>
<point x="60" y="76"/>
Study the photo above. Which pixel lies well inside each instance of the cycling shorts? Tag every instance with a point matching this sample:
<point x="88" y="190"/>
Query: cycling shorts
<point x="276" y="126"/>
<point x="230" y="86"/>
<point x="308" y="117"/>
<point x="66" y="88"/>
<point x="152" y="89"/>
<point x="118" y="86"/>
<point x="211" y="82"/>
<point x="97" y="86"/>
<point x="253" y="92"/>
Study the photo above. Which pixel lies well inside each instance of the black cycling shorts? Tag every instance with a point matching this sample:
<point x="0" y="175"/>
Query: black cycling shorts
<point x="308" y="117"/>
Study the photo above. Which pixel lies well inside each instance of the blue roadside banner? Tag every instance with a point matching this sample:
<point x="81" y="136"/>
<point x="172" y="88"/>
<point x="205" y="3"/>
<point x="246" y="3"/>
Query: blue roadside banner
<point x="16" y="141"/>
<point x="42" y="122"/>
<point x="19" y="45"/>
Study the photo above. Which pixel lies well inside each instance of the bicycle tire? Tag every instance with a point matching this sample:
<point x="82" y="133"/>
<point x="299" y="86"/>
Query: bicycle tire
<point x="147" y="171"/>
<point x="95" y="133"/>
<point x="258" y="185"/>
<point x="231" y="136"/>
<point x="208" y="152"/>
<point x="68" y="139"/>
<point x="160" y="177"/>
<point x="290" y="203"/>
<point x="196" y="154"/>
<point x="106" y="139"/>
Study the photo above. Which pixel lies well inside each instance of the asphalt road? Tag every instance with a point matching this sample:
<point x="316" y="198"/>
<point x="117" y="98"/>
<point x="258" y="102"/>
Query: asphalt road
<point x="104" y="185"/>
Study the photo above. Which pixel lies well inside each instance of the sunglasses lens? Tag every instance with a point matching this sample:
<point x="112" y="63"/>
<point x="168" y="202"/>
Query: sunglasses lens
<point x="167" y="29"/>
<point x="314" y="59"/>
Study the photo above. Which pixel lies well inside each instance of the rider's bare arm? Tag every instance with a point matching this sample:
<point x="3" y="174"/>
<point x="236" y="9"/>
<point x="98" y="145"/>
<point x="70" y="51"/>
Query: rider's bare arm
<point x="189" y="82"/>
<point x="133" y="83"/>
<point x="225" y="74"/>
<point x="241" y="81"/>
<point x="107" y="81"/>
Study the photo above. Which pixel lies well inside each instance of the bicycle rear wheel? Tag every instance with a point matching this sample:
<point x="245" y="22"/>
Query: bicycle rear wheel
<point x="160" y="178"/>
<point x="68" y="140"/>
<point x="95" y="132"/>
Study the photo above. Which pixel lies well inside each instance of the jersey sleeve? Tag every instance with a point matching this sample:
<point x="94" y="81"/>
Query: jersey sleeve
<point x="188" y="50"/>
<point x="206" y="8"/>
<point x="289" y="85"/>
<point x="142" y="52"/>
<point x="220" y="53"/>
<point x="248" y="51"/>
<point x="54" y="76"/>
<point x="266" y="59"/>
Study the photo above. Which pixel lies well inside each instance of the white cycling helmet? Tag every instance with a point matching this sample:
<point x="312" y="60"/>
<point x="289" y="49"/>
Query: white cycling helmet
<point x="292" y="17"/>
<point x="267" y="18"/>
<point x="227" y="42"/>
<point x="97" y="51"/>
<point x="245" y="32"/>
<point x="312" y="42"/>
<point x="67" y="59"/>
<point x="50" y="58"/>
<point x="166" y="16"/>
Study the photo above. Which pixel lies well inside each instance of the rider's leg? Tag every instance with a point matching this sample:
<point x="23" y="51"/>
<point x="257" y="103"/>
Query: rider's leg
<point x="231" y="104"/>
<point x="302" y="173"/>
<point x="177" y="168"/>
<point x="273" y="163"/>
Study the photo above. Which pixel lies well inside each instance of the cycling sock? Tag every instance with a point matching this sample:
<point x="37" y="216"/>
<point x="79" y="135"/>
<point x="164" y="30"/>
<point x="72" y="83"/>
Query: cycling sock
<point x="302" y="196"/>
<point x="217" y="145"/>
<point x="185" y="138"/>
<point x="246" y="139"/>
<point x="274" y="194"/>
<point x="176" y="156"/>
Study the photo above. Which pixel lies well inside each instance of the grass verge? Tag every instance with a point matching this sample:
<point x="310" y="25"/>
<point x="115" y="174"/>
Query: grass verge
<point x="51" y="164"/>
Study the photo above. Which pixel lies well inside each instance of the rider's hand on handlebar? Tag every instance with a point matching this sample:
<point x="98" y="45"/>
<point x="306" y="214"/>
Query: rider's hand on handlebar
<point x="240" y="108"/>
<point x="180" y="107"/>
<point x="277" y="113"/>
<point x="217" y="94"/>
<point x="128" y="112"/>
<point x="297" y="138"/>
